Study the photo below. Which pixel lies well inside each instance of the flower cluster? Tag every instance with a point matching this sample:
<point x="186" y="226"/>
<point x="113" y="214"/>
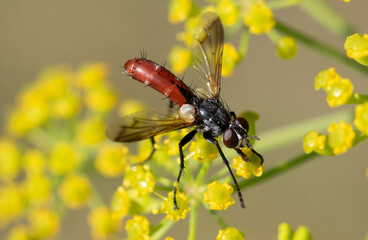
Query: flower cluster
<point x="256" y="17"/>
<point x="46" y="159"/>
<point x="342" y="135"/>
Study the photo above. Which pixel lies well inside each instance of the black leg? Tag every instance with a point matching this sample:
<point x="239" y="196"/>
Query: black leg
<point x="254" y="151"/>
<point x="242" y="154"/>
<point x="209" y="138"/>
<point x="182" y="143"/>
<point x="153" y="149"/>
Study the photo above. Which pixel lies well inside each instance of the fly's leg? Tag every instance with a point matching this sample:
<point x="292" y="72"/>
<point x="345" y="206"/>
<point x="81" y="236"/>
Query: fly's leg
<point x="182" y="143"/>
<point x="242" y="155"/>
<point x="254" y="151"/>
<point x="210" y="139"/>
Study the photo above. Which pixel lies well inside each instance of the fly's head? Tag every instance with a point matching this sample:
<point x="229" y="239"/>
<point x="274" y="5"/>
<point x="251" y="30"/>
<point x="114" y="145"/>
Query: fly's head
<point x="236" y="135"/>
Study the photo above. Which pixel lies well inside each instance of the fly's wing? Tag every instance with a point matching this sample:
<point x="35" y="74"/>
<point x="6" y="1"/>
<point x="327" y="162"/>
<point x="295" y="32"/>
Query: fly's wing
<point x="144" y="124"/>
<point x="208" y="43"/>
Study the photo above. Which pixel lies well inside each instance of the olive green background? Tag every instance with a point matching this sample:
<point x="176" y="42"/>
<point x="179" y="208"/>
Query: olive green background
<point x="329" y="195"/>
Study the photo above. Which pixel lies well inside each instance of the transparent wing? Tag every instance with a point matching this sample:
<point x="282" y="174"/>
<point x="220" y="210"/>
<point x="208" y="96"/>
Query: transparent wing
<point x="207" y="50"/>
<point x="144" y="124"/>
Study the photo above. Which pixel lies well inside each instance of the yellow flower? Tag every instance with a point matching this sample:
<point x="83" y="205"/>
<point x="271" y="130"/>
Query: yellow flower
<point x="341" y="136"/>
<point x="228" y="12"/>
<point x="285" y="232"/>
<point x="260" y="18"/>
<point x="179" y="10"/>
<point x="102" y="223"/>
<point x="120" y="203"/>
<point x="34" y="162"/>
<point x="44" y="223"/>
<point x="247" y="169"/>
<point x="66" y="106"/>
<point x="187" y="35"/>
<point x="140" y="180"/>
<point x="357" y="48"/>
<point x="130" y="106"/>
<point x="202" y="150"/>
<point x="101" y="98"/>
<point x="230" y="234"/>
<point x="75" y="191"/>
<point x="63" y="159"/>
<point x="287" y="47"/>
<point x="313" y="141"/>
<point x="19" y="232"/>
<point x="338" y="89"/>
<point x="37" y="189"/>
<point x="112" y="159"/>
<point x="91" y="75"/>
<point x="9" y="160"/>
<point x="302" y="233"/>
<point x="138" y="228"/>
<point x="219" y="196"/>
<point x="90" y="131"/>
<point x="179" y="59"/>
<point x="168" y="206"/>
<point x="170" y="144"/>
<point x="11" y="204"/>
<point x="230" y="58"/>
<point x="361" y="118"/>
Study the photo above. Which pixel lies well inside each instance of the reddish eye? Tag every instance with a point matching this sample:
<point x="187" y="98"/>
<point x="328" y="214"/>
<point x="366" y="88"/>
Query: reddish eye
<point x="230" y="138"/>
<point x="242" y="122"/>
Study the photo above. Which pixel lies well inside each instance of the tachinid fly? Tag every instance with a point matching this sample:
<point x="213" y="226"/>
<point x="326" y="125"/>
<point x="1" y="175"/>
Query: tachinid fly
<point x="201" y="108"/>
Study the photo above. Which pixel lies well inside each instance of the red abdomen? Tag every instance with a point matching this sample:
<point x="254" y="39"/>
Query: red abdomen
<point x="159" y="78"/>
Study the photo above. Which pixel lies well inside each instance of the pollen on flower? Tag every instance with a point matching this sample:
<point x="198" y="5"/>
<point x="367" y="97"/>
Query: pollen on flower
<point x="259" y="19"/>
<point x="230" y="233"/>
<point x="357" y="48"/>
<point x="341" y="136"/>
<point x="179" y="59"/>
<point x="167" y="206"/>
<point x="228" y="12"/>
<point x="219" y="196"/>
<point x="102" y="223"/>
<point x="179" y="10"/>
<point x="230" y="58"/>
<point x="139" y="179"/>
<point x="287" y="47"/>
<point x="112" y="159"/>
<point x="338" y="89"/>
<point x="120" y="203"/>
<point x="75" y="191"/>
<point x="247" y="169"/>
<point x="361" y="118"/>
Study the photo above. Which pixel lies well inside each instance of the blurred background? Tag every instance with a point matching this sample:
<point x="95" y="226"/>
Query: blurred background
<point x="328" y="194"/>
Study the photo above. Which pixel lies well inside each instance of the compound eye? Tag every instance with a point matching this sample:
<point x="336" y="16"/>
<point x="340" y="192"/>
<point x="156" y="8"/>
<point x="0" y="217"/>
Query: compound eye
<point x="242" y="122"/>
<point x="230" y="138"/>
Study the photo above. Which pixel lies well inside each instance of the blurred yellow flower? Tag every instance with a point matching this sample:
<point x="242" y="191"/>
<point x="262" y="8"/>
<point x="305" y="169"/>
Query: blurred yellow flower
<point x="138" y="228"/>
<point x="228" y="12"/>
<point x="341" y="136"/>
<point x="259" y="19"/>
<point x="361" y="118"/>
<point x="287" y="47"/>
<point x="9" y="160"/>
<point x="38" y="189"/>
<point x="112" y="159"/>
<point x="11" y="203"/>
<point x="179" y="59"/>
<point x="120" y="203"/>
<point x="63" y="158"/>
<point x="90" y="131"/>
<point x="357" y="48"/>
<point x="34" y="162"/>
<point x="179" y="10"/>
<point x="230" y="58"/>
<point x="91" y="75"/>
<point x="230" y="233"/>
<point x="102" y="223"/>
<point x="313" y="141"/>
<point x="44" y="223"/>
<point x="202" y="150"/>
<point x="75" y="191"/>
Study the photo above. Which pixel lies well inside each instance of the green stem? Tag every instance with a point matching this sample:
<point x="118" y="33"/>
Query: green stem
<point x="287" y="166"/>
<point x="358" y="98"/>
<point x="202" y="172"/>
<point x="193" y="219"/>
<point x="327" y="17"/>
<point x="320" y="47"/>
<point x="163" y="227"/>
<point x="216" y="216"/>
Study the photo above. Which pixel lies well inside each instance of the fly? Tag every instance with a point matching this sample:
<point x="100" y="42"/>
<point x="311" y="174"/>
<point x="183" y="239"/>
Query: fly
<point x="201" y="108"/>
